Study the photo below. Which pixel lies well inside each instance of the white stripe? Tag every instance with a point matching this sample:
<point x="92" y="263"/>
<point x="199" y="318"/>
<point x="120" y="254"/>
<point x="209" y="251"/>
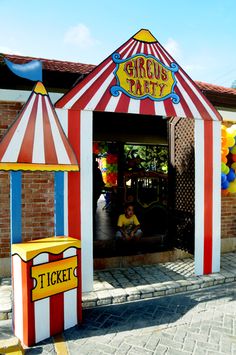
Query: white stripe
<point x="199" y="196"/>
<point x="66" y="203"/>
<point x="216" y="226"/>
<point x="42" y="308"/>
<point x="112" y="103"/>
<point x="86" y="187"/>
<point x="142" y="48"/>
<point x="148" y="48"/>
<point x="61" y="152"/>
<point x="12" y="152"/>
<point x="38" y="147"/>
<point x="134" y="106"/>
<point x="70" y="298"/>
<point x="179" y="110"/>
<point x="71" y="102"/>
<point x="159" y="108"/>
<point x="18" y="296"/>
<point x="63" y="119"/>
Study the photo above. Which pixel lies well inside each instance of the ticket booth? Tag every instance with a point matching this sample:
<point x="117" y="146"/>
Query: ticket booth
<point x="46" y="287"/>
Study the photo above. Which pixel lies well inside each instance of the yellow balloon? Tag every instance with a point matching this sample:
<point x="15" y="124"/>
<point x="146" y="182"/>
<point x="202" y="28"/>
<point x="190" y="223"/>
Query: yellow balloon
<point x="233" y="166"/>
<point x="230" y="142"/>
<point x="223" y="131"/>
<point x="232" y="187"/>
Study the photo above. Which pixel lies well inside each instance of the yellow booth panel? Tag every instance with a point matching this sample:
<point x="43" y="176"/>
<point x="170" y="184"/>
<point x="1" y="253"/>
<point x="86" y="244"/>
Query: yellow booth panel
<point x="54" y="245"/>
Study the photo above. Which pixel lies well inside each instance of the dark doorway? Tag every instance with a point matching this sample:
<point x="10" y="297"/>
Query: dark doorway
<point x="139" y="147"/>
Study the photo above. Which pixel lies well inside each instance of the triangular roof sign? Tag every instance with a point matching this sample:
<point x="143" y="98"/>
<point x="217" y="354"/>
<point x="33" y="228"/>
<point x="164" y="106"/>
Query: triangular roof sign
<point x="36" y="140"/>
<point x="140" y="77"/>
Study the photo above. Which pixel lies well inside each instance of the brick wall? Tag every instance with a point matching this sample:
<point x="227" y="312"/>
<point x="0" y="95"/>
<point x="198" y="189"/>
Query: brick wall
<point x="228" y="216"/>
<point x="37" y="195"/>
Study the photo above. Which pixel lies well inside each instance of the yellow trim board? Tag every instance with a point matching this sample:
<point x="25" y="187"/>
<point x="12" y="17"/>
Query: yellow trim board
<point x="54" y="245"/>
<point x="38" y="167"/>
<point x="145" y="36"/>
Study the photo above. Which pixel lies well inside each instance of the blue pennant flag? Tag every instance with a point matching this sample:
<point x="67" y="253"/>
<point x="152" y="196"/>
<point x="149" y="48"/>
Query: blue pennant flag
<point x="31" y="70"/>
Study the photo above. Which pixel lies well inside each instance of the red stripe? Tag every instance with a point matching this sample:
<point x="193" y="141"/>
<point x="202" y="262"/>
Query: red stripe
<point x="147" y="107"/>
<point x="56" y="306"/>
<point x="49" y="145"/>
<point x="74" y="177"/>
<point x="26" y="150"/>
<point x="28" y="305"/>
<point x="79" y="288"/>
<point x="65" y="141"/>
<point x="169" y="108"/>
<point x="208" y="195"/>
<point x="9" y="133"/>
<point x="67" y="97"/>
<point x="123" y="104"/>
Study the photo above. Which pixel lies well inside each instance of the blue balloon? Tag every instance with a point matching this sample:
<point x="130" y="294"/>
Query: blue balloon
<point x="223" y="177"/>
<point x="225" y="185"/>
<point x="231" y="175"/>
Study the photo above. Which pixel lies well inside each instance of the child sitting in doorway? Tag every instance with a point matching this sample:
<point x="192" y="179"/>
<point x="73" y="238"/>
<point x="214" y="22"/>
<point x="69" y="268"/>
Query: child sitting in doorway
<point x="128" y="224"/>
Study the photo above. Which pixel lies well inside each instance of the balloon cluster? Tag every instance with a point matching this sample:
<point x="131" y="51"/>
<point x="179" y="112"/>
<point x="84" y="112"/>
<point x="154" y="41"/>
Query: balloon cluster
<point x="109" y="169"/>
<point x="228" y="159"/>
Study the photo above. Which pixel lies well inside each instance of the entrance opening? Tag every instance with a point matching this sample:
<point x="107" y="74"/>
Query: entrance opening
<point x="149" y="161"/>
<point x="132" y="154"/>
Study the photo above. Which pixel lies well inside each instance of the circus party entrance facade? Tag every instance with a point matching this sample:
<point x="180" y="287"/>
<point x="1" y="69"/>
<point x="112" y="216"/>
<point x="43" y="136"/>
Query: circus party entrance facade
<point x="141" y="81"/>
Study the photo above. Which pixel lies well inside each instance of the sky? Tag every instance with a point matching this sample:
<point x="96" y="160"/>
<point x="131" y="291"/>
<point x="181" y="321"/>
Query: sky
<point x="199" y="34"/>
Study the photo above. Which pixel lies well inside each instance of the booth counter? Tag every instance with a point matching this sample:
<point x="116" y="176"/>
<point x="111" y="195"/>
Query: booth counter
<point x="46" y="287"/>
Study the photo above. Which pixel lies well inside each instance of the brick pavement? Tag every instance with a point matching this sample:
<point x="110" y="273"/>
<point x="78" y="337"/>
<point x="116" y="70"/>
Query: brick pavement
<point x="141" y="282"/>
<point x="198" y="322"/>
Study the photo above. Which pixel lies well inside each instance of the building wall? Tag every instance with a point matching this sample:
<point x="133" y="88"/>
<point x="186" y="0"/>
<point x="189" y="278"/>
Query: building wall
<point x="37" y="195"/>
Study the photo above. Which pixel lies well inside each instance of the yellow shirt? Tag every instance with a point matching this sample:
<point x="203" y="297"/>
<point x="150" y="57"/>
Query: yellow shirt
<point x="128" y="223"/>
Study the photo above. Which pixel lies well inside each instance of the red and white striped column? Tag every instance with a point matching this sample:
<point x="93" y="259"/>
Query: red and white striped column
<point x="207" y="196"/>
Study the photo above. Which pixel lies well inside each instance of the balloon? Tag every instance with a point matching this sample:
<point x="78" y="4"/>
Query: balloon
<point x="223" y="131"/>
<point x="225" y="151"/>
<point x="233" y="150"/>
<point x="234" y="157"/>
<point x="224" y="142"/>
<point x="223" y="177"/>
<point x="224" y="159"/>
<point x="233" y="166"/>
<point x="232" y="187"/>
<point x="230" y="141"/>
<point x="224" y="168"/>
<point x="225" y="184"/>
<point x="231" y="175"/>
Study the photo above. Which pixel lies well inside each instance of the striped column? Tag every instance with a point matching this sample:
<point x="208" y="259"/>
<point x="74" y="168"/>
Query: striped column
<point x="207" y="196"/>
